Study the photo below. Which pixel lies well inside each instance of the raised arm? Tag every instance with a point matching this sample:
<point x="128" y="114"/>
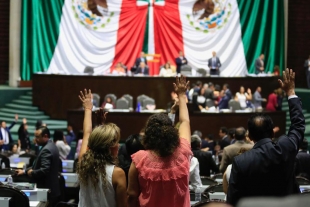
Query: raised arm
<point x="180" y="88"/>
<point x="297" y="128"/>
<point x="87" y="125"/>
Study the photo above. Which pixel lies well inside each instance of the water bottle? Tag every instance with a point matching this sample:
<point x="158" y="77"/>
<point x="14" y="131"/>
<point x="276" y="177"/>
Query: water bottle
<point x="2" y="165"/>
<point x="216" y="159"/>
<point x="138" y="107"/>
<point x="24" y="168"/>
<point x="197" y="194"/>
<point x="10" y="180"/>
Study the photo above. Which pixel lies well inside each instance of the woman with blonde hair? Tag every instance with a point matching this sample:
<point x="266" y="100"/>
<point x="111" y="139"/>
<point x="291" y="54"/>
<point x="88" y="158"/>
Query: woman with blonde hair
<point x="101" y="182"/>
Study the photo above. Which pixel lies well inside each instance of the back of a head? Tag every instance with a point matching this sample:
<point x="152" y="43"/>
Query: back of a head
<point x="133" y="144"/>
<point x="38" y="124"/>
<point x="160" y="135"/>
<point x="197" y="132"/>
<point x="98" y="155"/>
<point x="304" y="144"/>
<point x="44" y="131"/>
<point x="58" y="135"/>
<point x="260" y="126"/>
<point x="240" y="133"/>
<point x="231" y="132"/>
<point x="195" y="142"/>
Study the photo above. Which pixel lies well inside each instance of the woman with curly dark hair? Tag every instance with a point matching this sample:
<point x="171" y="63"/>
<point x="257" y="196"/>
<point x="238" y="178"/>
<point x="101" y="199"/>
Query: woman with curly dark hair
<point x="159" y="176"/>
<point x="101" y="182"/>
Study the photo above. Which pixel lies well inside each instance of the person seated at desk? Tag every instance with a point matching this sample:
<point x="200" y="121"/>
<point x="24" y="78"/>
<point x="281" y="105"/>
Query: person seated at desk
<point x="108" y="103"/>
<point x="167" y="71"/>
<point x="142" y="69"/>
<point x="119" y="69"/>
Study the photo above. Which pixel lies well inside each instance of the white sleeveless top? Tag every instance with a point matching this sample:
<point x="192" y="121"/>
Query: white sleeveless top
<point x="91" y="197"/>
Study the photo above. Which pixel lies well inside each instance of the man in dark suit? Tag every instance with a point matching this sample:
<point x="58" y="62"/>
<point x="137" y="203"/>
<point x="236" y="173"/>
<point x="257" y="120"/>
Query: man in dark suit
<point x="268" y="168"/>
<point x="5" y="135"/>
<point x="142" y="69"/>
<point x="140" y="59"/>
<point x="259" y="64"/>
<point x="223" y="103"/>
<point x="307" y="68"/>
<point x="44" y="171"/>
<point x="180" y="61"/>
<point x="206" y="162"/>
<point x="224" y="137"/>
<point x="214" y="64"/>
<point x="303" y="161"/>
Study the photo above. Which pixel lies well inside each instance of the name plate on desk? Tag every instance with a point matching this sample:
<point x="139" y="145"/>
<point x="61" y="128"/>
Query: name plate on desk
<point x="38" y="194"/>
<point x="5" y="201"/>
<point x="17" y="160"/>
<point x="68" y="164"/>
<point x="70" y="177"/>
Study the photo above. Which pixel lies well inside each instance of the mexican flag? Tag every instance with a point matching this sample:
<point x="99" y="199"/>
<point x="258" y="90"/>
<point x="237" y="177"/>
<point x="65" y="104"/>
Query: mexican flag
<point x="65" y="36"/>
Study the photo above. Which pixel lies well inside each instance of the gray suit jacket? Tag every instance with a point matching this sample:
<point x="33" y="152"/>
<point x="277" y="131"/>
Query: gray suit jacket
<point x="231" y="151"/>
<point x="258" y="65"/>
<point x="46" y="168"/>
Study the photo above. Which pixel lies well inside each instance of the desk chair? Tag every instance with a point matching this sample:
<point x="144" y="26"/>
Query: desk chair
<point x="18" y="197"/>
<point x="207" y="180"/>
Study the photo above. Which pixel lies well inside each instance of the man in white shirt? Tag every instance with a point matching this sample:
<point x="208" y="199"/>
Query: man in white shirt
<point x="5" y="135"/>
<point x="307" y="68"/>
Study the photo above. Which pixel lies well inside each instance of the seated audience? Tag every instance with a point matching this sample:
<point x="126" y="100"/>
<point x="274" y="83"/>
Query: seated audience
<point x="108" y="103"/>
<point x="244" y="97"/>
<point x="61" y="144"/>
<point x="166" y="71"/>
<point x="44" y="171"/>
<point x="232" y="150"/>
<point x="272" y="102"/>
<point x="23" y="136"/>
<point x="206" y="162"/>
<point x="15" y="150"/>
<point x="225" y="97"/>
<point x="180" y="61"/>
<point x="143" y="69"/>
<point x="303" y="161"/>
<point x="268" y="168"/>
<point x="101" y="182"/>
<point x="166" y="161"/>
<point x="119" y="69"/>
<point x="226" y="175"/>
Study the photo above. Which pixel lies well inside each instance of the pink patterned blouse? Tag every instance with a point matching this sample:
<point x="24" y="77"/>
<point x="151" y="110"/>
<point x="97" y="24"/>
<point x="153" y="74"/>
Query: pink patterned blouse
<point x="164" y="181"/>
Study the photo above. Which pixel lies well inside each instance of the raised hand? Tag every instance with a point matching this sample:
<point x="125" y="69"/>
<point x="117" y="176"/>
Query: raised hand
<point x="101" y="116"/>
<point x="86" y="99"/>
<point x="180" y="86"/>
<point x="288" y="83"/>
<point x="16" y="117"/>
<point x="24" y="121"/>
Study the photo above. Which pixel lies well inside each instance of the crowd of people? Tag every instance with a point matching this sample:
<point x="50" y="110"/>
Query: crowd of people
<point x="213" y="97"/>
<point x="165" y="161"/>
